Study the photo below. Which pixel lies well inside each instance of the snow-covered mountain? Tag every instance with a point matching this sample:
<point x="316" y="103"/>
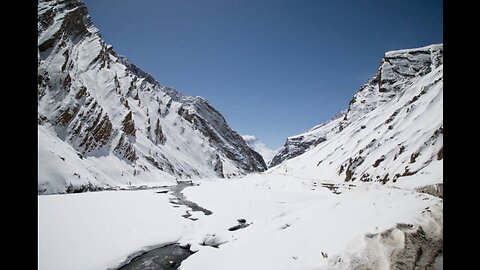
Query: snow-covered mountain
<point x="391" y="131"/>
<point x="259" y="147"/>
<point x="299" y="144"/>
<point x="104" y="122"/>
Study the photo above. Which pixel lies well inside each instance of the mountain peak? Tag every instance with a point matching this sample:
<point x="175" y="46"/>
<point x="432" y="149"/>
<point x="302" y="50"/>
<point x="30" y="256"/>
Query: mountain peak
<point x="258" y="146"/>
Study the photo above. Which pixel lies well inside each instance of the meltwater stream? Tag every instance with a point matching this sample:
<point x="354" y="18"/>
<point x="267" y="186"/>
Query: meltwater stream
<point x="168" y="257"/>
<point x="180" y="199"/>
<point x="163" y="258"/>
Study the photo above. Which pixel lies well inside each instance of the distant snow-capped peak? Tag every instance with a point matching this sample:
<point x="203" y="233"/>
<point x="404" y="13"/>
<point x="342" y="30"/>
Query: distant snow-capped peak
<point x="259" y="147"/>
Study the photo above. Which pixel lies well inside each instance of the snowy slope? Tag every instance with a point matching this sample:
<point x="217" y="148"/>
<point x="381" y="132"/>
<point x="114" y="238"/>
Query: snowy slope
<point x="299" y="144"/>
<point x="260" y="148"/>
<point x="104" y="122"/>
<point x="391" y="132"/>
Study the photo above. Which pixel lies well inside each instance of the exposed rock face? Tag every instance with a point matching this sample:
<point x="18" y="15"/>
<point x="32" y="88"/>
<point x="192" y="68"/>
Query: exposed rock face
<point x="124" y="149"/>
<point x="392" y="128"/>
<point x="160" y="138"/>
<point x="218" y="166"/>
<point x="128" y="126"/>
<point x="295" y="146"/>
<point x="104" y="109"/>
<point x="434" y="190"/>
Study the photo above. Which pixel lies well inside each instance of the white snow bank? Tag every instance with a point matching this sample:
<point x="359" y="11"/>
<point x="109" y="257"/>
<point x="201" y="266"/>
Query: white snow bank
<point x="291" y="228"/>
<point x="99" y="230"/>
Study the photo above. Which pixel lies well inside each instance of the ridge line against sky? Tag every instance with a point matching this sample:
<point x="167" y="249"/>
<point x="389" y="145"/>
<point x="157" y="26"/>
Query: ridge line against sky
<point x="273" y="68"/>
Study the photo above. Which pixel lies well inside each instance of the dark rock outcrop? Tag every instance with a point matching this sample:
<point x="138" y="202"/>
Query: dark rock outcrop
<point x="295" y="146"/>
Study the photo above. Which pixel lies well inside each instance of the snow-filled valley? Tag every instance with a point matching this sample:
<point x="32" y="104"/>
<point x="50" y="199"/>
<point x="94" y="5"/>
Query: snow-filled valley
<point x="129" y="168"/>
<point x="293" y="224"/>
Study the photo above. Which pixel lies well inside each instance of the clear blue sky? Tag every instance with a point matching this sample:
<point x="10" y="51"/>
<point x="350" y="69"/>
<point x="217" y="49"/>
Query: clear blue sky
<point x="273" y="68"/>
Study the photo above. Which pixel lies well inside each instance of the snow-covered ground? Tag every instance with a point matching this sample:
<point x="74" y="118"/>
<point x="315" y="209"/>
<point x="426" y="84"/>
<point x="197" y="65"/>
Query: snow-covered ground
<point x="294" y="224"/>
<point x="97" y="230"/>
